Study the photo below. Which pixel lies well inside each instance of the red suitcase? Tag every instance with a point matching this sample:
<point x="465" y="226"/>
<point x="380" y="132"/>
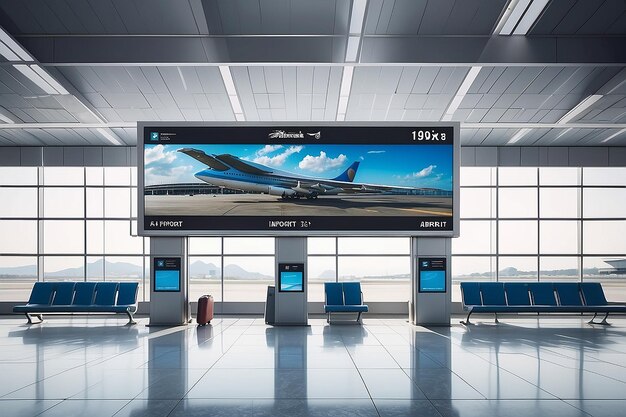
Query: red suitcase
<point x="205" y="310"/>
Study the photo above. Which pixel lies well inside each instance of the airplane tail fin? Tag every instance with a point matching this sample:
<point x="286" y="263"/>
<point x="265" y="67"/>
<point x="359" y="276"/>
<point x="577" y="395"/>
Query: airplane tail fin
<point x="349" y="174"/>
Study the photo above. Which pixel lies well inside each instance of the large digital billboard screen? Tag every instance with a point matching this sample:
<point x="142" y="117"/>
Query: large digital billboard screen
<point x="312" y="179"/>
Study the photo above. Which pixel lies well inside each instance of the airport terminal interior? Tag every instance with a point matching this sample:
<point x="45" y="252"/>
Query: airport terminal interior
<point x="397" y="208"/>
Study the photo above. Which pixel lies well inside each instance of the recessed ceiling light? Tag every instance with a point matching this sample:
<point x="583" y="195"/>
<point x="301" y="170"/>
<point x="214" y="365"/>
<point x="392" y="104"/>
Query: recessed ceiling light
<point x="460" y="94"/>
<point x="227" y="77"/>
<point x="344" y="91"/>
<point x="108" y="136"/>
<point x="520" y="16"/>
<point x="614" y="135"/>
<point x="15" y="51"/>
<point x="520" y="134"/>
<point x="581" y="107"/>
<point x="29" y="73"/>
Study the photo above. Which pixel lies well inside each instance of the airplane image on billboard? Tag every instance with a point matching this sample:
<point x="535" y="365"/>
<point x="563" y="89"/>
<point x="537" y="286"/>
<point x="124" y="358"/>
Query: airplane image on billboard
<point x="334" y="180"/>
<point x="316" y="179"/>
<point x="229" y="171"/>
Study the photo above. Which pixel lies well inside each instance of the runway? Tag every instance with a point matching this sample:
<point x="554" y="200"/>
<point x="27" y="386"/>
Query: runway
<point x="266" y="205"/>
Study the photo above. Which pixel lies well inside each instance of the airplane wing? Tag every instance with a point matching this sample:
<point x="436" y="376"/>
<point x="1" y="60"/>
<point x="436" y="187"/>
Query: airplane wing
<point x="243" y="166"/>
<point x="209" y="160"/>
<point x="346" y="187"/>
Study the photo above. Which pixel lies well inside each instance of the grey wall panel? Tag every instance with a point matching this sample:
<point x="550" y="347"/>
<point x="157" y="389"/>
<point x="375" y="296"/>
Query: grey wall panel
<point x="543" y="157"/>
<point x="468" y="156"/>
<point x="546" y="156"/>
<point x="115" y="156"/>
<point x="133" y="156"/>
<point x="529" y="156"/>
<point x="558" y="157"/>
<point x="30" y="157"/>
<point x="591" y="157"/>
<point x="74" y="156"/>
<point x="52" y="156"/>
<point x="509" y="156"/>
<point x="617" y="157"/>
<point x="10" y="156"/>
<point x="486" y="156"/>
<point x="93" y="156"/>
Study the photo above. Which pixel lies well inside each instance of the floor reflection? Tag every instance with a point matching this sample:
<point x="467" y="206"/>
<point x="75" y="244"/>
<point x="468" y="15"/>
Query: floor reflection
<point x="243" y="367"/>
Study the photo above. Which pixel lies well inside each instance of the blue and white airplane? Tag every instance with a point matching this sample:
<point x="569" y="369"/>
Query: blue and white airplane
<point x="229" y="171"/>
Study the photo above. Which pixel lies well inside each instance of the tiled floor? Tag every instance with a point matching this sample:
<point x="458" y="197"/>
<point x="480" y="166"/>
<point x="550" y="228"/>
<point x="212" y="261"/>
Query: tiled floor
<point x="241" y="367"/>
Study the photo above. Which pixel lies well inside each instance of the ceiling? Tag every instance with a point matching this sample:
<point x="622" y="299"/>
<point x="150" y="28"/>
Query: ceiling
<point x="560" y="83"/>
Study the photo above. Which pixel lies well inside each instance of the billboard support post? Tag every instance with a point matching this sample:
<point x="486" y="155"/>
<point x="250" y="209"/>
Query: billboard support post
<point x="431" y="303"/>
<point x="169" y="306"/>
<point x="291" y="305"/>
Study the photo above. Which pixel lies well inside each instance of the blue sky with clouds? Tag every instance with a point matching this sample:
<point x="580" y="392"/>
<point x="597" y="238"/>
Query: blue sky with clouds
<point x="405" y="165"/>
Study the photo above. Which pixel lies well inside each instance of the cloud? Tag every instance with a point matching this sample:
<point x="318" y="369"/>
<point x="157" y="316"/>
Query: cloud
<point x="278" y="159"/>
<point x="376" y="151"/>
<point x="161" y="167"/>
<point x="158" y="154"/>
<point x="267" y="149"/>
<point x="322" y="162"/>
<point x="423" y="173"/>
<point x="169" y="175"/>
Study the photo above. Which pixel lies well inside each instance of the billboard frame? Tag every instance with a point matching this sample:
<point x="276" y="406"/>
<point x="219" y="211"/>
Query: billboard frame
<point x="456" y="163"/>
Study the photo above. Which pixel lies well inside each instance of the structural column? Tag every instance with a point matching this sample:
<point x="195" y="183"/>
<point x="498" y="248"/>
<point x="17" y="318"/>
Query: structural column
<point x="169" y="281"/>
<point x="431" y="281"/>
<point x="291" y="299"/>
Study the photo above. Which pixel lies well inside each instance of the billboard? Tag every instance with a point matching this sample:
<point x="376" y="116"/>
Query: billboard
<point x="313" y="179"/>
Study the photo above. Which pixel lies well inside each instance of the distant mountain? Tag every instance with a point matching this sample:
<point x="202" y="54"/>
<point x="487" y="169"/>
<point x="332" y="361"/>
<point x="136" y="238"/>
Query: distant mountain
<point x="26" y="271"/>
<point x="237" y="272"/>
<point x="203" y="269"/>
<point x="328" y="274"/>
<point x="94" y="270"/>
<point x="200" y="269"/>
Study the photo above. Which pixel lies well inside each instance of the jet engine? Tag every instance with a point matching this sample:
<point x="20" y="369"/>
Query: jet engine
<point x="281" y="192"/>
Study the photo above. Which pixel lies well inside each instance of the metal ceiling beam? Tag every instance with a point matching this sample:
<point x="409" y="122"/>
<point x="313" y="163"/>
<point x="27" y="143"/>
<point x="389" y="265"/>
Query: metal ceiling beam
<point x="132" y="125"/>
<point x="457" y="50"/>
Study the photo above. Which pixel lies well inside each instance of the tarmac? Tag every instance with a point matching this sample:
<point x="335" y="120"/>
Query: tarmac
<point x="266" y="205"/>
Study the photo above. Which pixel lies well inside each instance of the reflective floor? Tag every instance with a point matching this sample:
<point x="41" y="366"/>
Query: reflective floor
<point x="241" y="367"/>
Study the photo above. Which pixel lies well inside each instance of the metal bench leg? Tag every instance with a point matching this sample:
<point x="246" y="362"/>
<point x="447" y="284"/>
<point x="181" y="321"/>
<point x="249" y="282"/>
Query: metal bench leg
<point x="604" y="322"/>
<point x="358" y="318"/>
<point x="593" y="318"/>
<point x="496" y="317"/>
<point x="131" y="321"/>
<point x="29" y="317"/>
<point x="467" y="320"/>
<point x="328" y="318"/>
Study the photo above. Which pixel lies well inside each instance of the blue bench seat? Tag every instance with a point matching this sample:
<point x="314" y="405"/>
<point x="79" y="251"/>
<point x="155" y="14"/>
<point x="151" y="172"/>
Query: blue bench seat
<point x="344" y="297"/>
<point x="81" y="297"/>
<point x="537" y="297"/>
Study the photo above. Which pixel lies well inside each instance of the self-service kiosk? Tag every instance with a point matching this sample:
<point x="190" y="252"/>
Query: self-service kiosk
<point x="290" y="295"/>
<point x="169" y="292"/>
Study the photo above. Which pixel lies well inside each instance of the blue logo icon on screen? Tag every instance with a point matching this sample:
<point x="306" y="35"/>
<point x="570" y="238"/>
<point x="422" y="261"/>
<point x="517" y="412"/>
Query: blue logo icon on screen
<point x="424" y="264"/>
<point x="161" y="264"/>
<point x="154" y="135"/>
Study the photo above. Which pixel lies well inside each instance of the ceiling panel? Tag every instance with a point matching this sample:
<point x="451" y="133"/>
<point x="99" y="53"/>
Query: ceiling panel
<point x="430" y="17"/>
<point x="534" y="94"/>
<point x="582" y="17"/>
<point x="288" y="92"/>
<point x="268" y="17"/>
<point x="128" y="94"/>
<point x="102" y="16"/>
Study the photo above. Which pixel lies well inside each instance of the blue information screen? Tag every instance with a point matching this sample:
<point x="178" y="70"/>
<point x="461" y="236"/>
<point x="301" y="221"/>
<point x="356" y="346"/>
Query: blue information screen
<point x="167" y="274"/>
<point x="291" y="281"/>
<point x="291" y="277"/>
<point x="432" y="274"/>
